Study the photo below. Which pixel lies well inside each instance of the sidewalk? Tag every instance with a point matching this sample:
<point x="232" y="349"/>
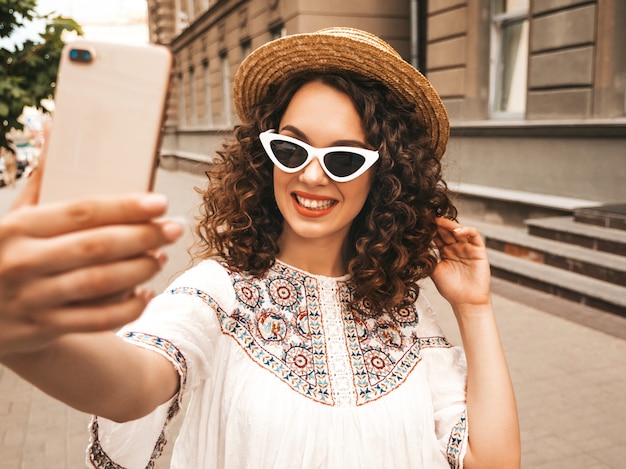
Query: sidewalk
<point x="570" y="381"/>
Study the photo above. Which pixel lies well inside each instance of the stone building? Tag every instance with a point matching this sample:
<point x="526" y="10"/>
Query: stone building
<point x="535" y="90"/>
<point x="210" y="39"/>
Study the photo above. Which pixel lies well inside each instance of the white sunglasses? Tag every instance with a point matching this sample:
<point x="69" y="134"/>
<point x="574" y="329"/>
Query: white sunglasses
<point x="341" y="164"/>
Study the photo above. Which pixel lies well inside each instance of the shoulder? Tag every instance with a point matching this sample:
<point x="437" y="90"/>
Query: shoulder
<point x="428" y="322"/>
<point x="203" y="275"/>
<point x="209" y="278"/>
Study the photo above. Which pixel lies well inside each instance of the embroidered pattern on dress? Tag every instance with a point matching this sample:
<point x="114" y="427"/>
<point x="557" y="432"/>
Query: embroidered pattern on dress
<point x="389" y="346"/>
<point x="97" y="456"/>
<point x="304" y="330"/>
<point x="455" y="443"/>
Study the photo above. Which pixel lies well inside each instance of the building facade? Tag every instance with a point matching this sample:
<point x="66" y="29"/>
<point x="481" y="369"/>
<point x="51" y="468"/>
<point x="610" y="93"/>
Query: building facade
<point x="535" y="89"/>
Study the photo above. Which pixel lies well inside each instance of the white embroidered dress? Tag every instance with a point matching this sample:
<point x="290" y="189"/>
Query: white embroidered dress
<point x="279" y="373"/>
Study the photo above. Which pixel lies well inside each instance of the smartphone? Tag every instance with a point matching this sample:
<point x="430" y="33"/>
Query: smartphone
<point x="110" y="103"/>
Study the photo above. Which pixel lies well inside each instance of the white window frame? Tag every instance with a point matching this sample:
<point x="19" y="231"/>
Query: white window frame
<point x="498" y="20"/>
<point x="278" y="31"/>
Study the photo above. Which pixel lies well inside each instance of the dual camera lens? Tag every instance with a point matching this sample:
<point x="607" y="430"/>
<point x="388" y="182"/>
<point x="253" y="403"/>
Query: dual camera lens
<point x="81" y="55"/>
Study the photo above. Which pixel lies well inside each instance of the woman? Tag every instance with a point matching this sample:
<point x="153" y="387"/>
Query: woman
<point x="303" y="339"/>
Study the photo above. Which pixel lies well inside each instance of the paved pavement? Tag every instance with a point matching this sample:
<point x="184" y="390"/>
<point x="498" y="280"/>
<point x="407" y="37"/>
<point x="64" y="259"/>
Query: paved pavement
<point x="569" y="376"/>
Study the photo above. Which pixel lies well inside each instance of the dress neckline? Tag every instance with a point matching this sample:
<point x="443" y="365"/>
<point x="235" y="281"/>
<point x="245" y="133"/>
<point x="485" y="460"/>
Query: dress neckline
<point x="341" y="278"/>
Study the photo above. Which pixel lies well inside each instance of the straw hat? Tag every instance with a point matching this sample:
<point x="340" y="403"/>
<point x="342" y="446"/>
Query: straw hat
<point x="337" y="49"/>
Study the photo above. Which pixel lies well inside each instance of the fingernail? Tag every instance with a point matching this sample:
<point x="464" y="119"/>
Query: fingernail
<point x="153" y="201"/>
<point x="145" y="294"/>
<point x="172" y="231"/>
<point x="160" y="257"/>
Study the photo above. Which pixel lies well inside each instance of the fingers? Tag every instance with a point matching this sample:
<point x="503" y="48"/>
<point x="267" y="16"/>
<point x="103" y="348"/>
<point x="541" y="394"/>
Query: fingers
<point x="55" y="219"/>
<point x="450" y="232"/>
<point x="90" y="247"/>
<point x="23" y="260"/>
<point x="92" y="283"/>
<point x="92" y="318"/>
<point x="26" y="334"/>
<point x="46" y="272"/>
<point x="30" y="193"/>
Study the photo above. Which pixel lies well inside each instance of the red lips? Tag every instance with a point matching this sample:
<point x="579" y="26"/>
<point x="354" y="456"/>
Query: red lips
<point x="312" y="212"/>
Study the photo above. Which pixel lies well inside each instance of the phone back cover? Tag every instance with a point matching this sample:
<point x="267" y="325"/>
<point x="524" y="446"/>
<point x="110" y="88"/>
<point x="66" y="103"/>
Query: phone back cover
<point x="107" y="121"/>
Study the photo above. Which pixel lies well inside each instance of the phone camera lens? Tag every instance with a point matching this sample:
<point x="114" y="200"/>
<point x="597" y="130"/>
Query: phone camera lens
<point x="80" y="55"/>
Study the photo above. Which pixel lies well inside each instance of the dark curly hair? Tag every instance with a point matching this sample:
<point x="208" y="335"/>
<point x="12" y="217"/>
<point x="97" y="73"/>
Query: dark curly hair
<point x="390" y="241"/>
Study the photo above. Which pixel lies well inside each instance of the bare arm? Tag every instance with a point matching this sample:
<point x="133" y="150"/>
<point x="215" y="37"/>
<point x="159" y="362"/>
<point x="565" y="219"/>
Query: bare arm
<point x="463" y="278"/>
<point x="68" y="275"/>
<point x="100" y="374"/>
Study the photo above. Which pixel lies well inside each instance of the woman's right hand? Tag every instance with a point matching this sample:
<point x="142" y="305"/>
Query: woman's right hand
<point x="75" y="266"/>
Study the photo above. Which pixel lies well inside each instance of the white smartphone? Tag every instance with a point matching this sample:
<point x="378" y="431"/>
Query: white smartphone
<point x="110" y="103"/>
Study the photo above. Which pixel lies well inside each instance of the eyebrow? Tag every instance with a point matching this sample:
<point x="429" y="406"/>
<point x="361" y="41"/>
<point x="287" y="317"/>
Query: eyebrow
<point x="338" y="143"/>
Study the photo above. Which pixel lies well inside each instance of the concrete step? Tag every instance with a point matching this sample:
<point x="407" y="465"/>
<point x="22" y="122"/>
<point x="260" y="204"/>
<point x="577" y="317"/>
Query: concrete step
<point x="569" y="285"/>
<point x="517" y="242"/>
<point x="566" y="230"/>
<point x="609" y="216"/>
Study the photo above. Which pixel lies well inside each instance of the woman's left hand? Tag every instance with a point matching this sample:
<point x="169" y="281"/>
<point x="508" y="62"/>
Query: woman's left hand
<point x="462" y="276"/>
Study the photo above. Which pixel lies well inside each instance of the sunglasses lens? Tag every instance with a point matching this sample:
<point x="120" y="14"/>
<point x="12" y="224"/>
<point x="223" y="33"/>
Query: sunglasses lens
<point x="343" y="163"/>
<point x="288" y="154"/>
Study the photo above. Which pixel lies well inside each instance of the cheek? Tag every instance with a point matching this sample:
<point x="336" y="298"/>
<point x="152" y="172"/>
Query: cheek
<point x="280" y="182"/>
<point x="366" y="184"/>
<point x="358" y="193"/>
<point x="279" y="179"/>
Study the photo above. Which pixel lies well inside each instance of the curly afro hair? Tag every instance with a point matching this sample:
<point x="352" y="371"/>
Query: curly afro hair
<point x="390" y="243"/>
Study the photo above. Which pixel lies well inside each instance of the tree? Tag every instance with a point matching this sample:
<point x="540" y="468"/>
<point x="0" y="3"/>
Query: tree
<point x="28" y="73"/>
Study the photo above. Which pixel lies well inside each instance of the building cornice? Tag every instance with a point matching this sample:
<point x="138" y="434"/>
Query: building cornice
<point x="582" y="128"/>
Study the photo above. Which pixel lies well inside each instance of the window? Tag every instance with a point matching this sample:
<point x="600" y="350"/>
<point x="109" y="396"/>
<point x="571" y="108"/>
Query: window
<point x="193" y="96"/>
<point x="182" y="18"/>
<point x="509" y="60"/>
<point x="225" y="87"/>
<point x="206" y="81"/>
<point x="246" y="48"/>
<point x="278" y="31"/>
<point x="182" y="112"/>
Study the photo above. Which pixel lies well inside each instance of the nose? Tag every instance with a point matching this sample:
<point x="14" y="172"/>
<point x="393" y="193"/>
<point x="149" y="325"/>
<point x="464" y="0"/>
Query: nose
<point x="313" y="173"/>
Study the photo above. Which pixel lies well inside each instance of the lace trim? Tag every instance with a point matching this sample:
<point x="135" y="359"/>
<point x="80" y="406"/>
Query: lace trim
<point x="337" y="357"/>
<point x="95" y="453"/>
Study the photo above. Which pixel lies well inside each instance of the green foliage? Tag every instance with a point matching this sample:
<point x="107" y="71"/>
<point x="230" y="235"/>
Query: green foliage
<point x="28" y="73"/>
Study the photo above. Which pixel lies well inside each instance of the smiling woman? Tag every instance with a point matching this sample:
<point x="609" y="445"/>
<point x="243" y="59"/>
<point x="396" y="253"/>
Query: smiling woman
<point x="302" y="337"/>
<point x="318" y="208"/>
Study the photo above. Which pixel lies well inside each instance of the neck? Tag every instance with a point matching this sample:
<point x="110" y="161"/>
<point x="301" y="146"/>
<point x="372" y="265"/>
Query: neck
<point x="315" y="257"/>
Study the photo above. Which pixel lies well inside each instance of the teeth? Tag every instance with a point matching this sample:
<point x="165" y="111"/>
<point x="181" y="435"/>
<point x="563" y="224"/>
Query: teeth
<point x="315" y="204"/>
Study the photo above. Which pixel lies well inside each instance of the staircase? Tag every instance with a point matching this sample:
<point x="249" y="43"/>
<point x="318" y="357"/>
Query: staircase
<point x="581" y="258"/>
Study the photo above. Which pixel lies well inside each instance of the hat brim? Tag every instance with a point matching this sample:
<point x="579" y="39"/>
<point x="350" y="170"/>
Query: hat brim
<point x="275" y="61"/>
